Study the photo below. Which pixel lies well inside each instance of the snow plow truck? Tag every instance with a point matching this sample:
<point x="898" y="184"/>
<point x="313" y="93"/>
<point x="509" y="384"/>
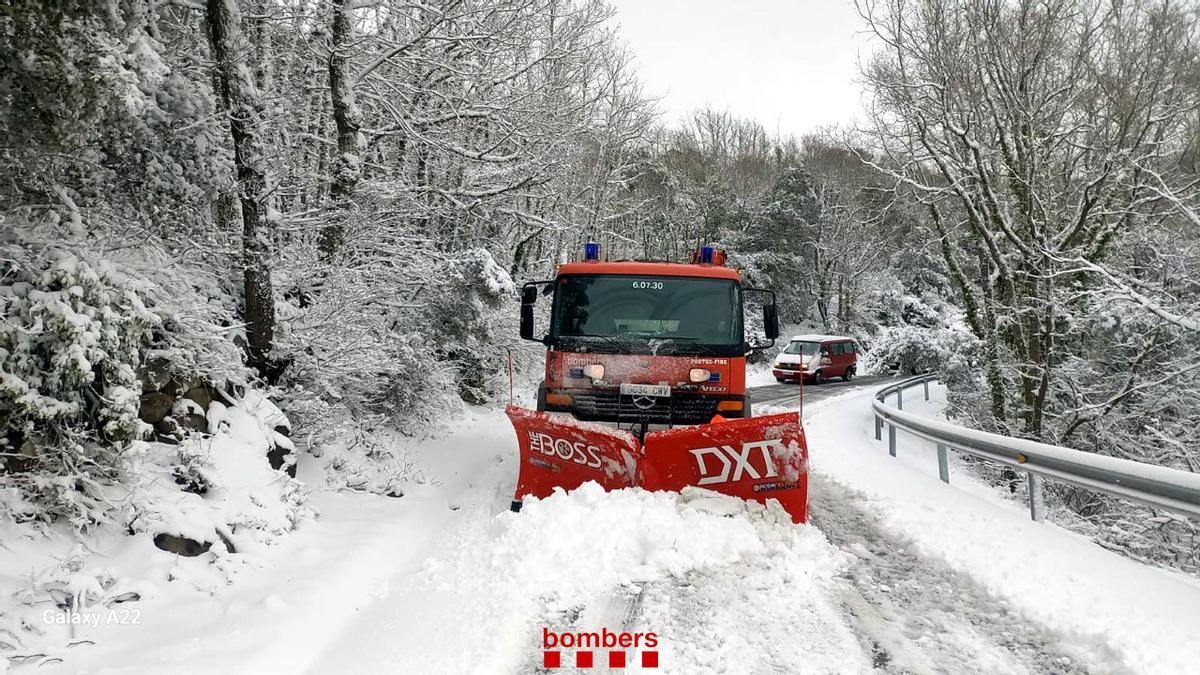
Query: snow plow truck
<point x="645" y="384"/>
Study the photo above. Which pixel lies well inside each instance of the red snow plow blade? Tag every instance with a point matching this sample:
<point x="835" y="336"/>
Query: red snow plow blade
<point x="759" y="458"/>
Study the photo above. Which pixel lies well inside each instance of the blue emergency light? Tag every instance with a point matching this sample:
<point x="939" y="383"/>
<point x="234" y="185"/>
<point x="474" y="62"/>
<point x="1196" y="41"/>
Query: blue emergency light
<point x="706" y="255"/>
<point x="591" y="251"/>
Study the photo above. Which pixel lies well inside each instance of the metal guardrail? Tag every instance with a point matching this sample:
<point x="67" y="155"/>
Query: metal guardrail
<point x="1159" y="486"/>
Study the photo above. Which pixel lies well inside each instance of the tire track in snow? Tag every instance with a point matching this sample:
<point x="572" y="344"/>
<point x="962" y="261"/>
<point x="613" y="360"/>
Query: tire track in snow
<point x="916" y="614"/>
<point x="617" y="611"/>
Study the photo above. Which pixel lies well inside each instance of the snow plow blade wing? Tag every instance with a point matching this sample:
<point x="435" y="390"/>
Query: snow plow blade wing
<point x="759" y="458"/>
<point x="560" y="452"/>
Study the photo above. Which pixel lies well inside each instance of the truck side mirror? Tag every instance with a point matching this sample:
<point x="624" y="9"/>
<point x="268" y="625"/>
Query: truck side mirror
<point x="529" y="295"/>
<point x="771" y="321"/>
<point x="526" y="321"/>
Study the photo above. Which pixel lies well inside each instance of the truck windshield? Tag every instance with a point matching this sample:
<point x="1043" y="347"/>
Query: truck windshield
<point x="669" y="314"/>
<point x="805" y="348"/>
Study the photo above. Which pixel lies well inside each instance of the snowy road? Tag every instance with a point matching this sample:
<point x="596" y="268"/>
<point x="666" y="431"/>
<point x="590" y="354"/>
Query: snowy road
<point x="788" y="394"/>
<point x="918" y="614"/>
<point x="898" y="573"/>
<point x="849" y="598"/>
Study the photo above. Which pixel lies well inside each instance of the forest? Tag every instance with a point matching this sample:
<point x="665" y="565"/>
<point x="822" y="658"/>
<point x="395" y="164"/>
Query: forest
<point x="313" y="217"/>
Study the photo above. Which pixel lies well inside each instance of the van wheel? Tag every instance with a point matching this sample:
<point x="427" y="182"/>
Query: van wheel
<point x="781" y="379"/>
<point x="819" y="378"/>
<point x="849" y="374"/>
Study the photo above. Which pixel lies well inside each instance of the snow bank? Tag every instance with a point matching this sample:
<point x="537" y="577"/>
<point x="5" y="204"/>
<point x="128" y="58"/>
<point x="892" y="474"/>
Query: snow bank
<point x="1054" y="576"/>
<point x="217" y="489"/>
<point x="278" y="607"/>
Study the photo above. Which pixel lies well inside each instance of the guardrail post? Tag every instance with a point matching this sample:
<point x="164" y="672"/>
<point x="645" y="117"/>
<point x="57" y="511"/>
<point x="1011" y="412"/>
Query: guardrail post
<point x="900" y="399"/>
<point x="892" y="440"/>
<point x="1037" y="505"/>
<point x="943" y="464"/>
<point x="878" y="428"/>
<point x="926" y="383"/>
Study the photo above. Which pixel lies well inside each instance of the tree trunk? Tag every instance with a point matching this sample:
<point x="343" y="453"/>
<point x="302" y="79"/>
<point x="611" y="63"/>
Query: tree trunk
<point x="245" y="119"/>
<point x="348" y="119"/>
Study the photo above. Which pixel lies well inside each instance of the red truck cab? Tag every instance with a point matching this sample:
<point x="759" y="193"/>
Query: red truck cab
<point x="646" y="341"/>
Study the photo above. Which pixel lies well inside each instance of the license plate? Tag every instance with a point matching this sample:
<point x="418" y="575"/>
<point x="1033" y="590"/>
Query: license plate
<point x="645" y="389"/>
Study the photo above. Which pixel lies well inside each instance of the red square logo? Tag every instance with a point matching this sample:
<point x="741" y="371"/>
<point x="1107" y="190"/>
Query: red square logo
<point x="649" y="659"/>
<point x="551" y="659"/>
<point x="583" y="659"/>
<point x="616" y="659"/>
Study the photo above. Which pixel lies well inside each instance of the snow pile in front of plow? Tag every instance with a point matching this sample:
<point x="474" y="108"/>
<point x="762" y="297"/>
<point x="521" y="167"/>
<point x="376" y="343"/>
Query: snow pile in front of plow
<point x="629" y="535"/>
<point x="495" y="584"/>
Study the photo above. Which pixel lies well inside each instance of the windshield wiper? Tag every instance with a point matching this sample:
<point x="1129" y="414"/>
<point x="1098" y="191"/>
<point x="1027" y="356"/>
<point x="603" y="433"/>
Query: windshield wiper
<point x="692" y="341"/>
<point x="628" y="342"/>
<point x="621" y="346"/>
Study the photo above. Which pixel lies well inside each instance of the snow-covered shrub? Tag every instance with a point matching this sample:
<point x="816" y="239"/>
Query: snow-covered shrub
<point x="384" y="348"/>
<point x="96" y="105"/>
<point x="74" y="327"/>
<point x="359" y="362"/>
<point x="467" y="322"/>
<point x="882" y="300"/>
<point x="218" y="485"/>
<point x="71" y="345"/>
<point x="358" y="352"/>
<point x="86" y="334"/>
<point x="950" y="352"/>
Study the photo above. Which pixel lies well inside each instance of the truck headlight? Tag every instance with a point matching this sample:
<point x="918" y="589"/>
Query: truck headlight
<point x="594" y="371"/>
<point x="699" y="374"/>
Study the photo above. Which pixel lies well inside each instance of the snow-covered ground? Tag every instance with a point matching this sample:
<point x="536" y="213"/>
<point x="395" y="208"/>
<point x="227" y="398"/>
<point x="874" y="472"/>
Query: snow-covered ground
<point x="899" y="572"/>
<point x="759" y="375"/>
<point x="1148" y="618"/>
<point x="446" y="580"/>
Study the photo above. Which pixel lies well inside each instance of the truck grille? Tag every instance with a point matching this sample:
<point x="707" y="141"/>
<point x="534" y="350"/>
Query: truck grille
<point x="607" y="406"/>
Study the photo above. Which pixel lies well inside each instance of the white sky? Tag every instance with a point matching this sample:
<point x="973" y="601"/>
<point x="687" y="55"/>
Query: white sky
<point x="790" y="64"/>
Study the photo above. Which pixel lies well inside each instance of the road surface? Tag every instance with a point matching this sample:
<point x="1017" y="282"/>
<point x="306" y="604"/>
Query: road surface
<point x="788" y="393"/>
<point x="889" y="610"/>
<point x="912" y="613"/>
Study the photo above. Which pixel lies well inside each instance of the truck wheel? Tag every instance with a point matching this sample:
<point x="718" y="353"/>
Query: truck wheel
<point x="849" y="374"/>
<point x="541" y="398"/>
<point x="746" y="408"/>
